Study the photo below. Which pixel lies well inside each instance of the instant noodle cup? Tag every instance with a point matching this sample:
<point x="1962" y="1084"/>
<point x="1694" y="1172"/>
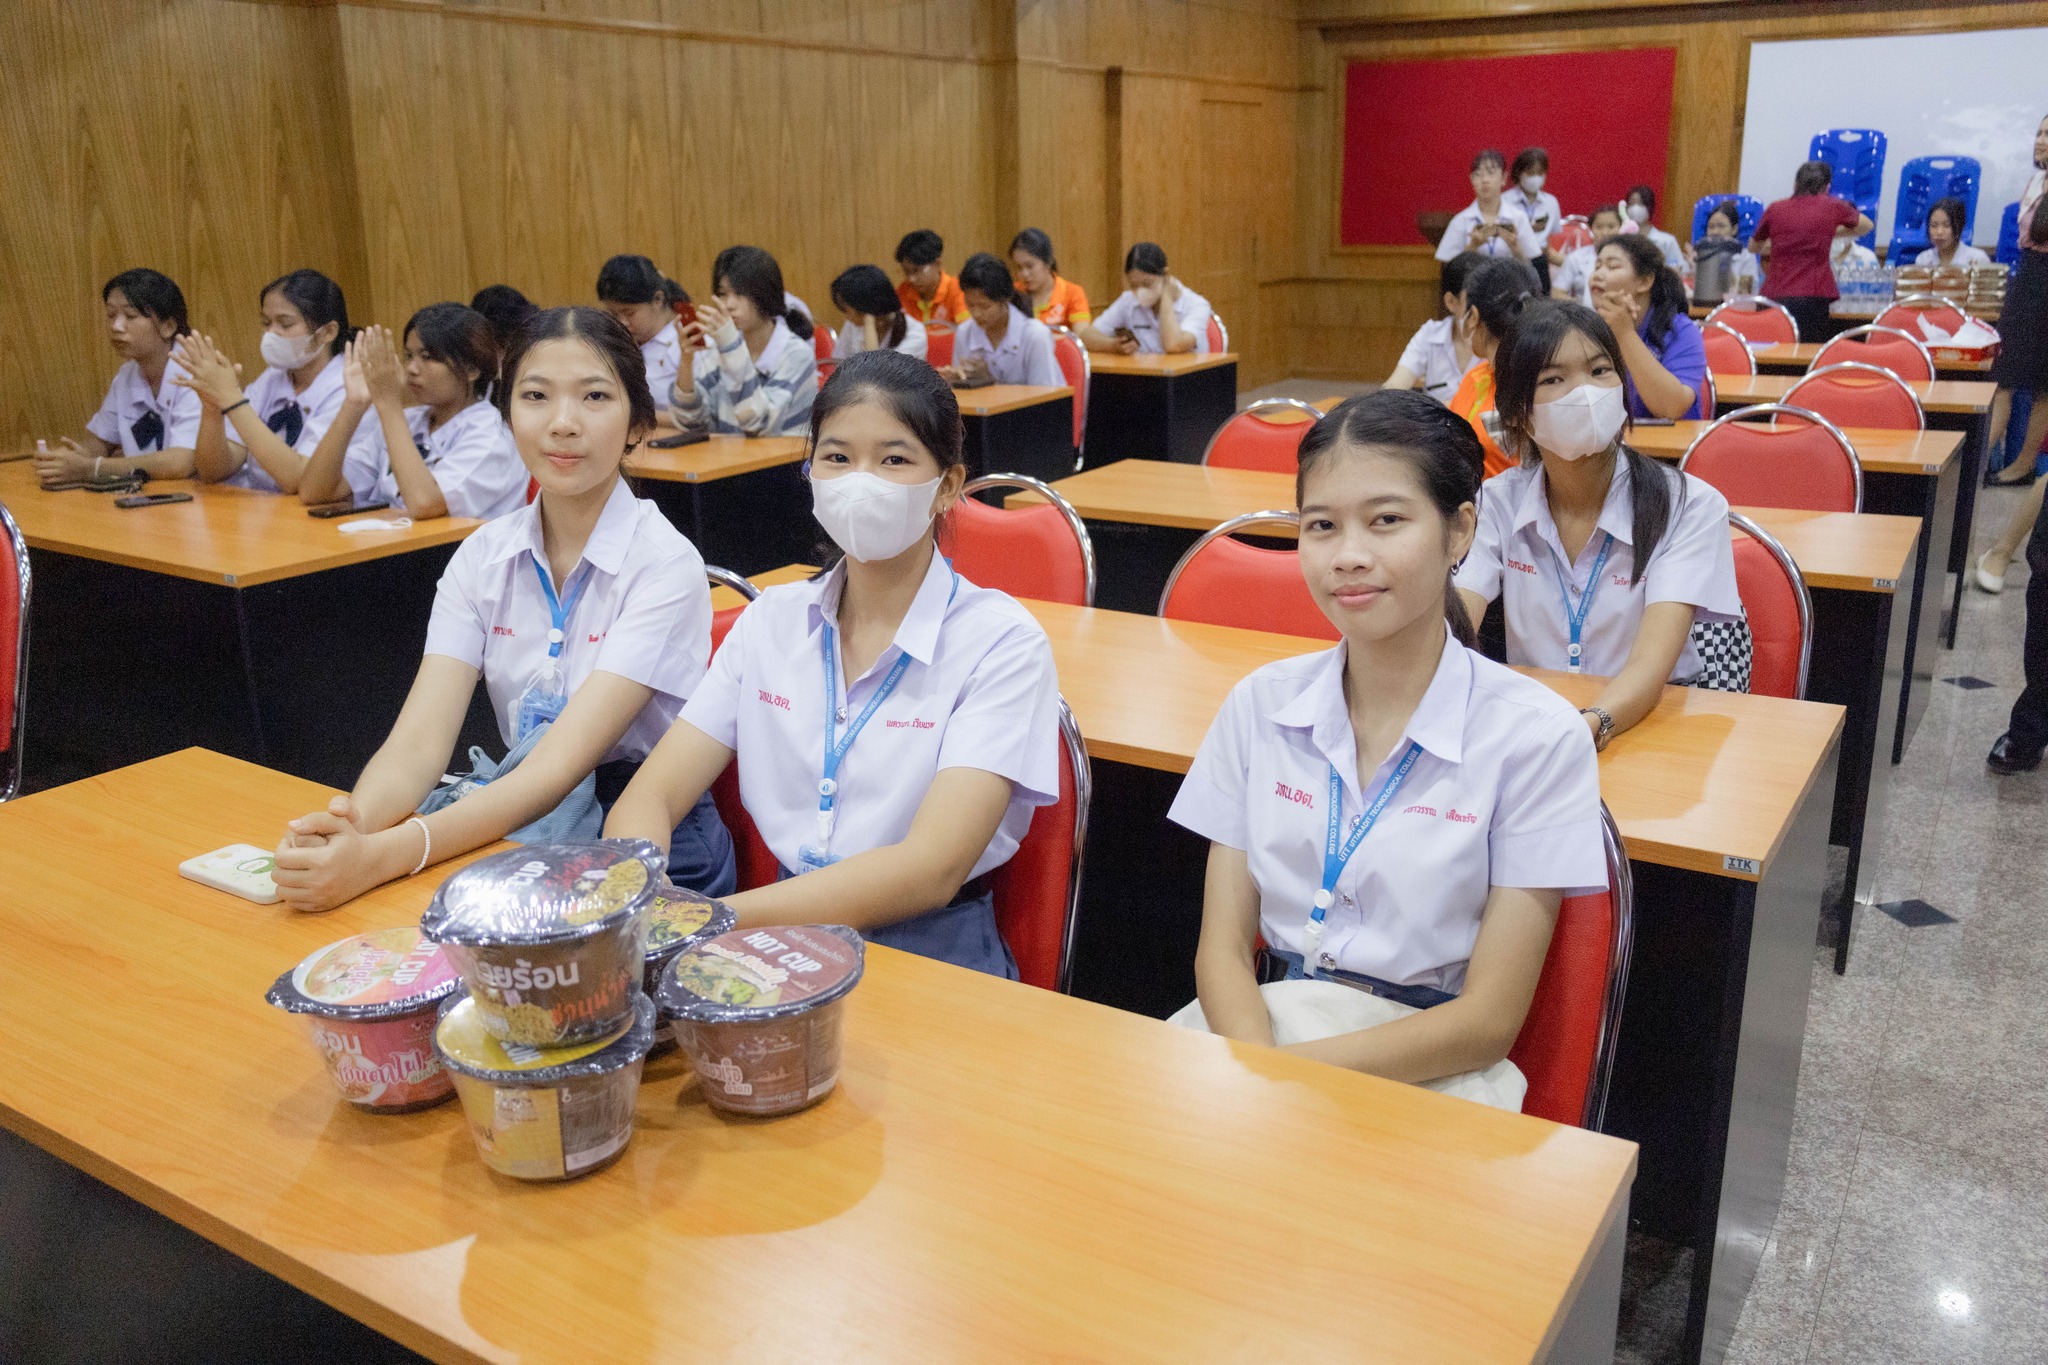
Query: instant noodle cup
<point x="545" y="1113"/>
<point x="758" y="1012"/>
<point x="551" y="939"/>
<point x="680" y="919"/>
<point x="369" y="1003"/>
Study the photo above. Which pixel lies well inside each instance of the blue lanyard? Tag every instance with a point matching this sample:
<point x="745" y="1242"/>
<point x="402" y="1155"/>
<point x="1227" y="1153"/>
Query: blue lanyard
<point x="1575" y="618"/>
<point x="1335" y="858"/>
<point x="557" y="610"/>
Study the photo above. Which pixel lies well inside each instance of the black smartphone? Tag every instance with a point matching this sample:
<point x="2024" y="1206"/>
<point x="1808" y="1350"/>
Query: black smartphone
<point x="328" y="510"/>
<point x="122" y="483"/>
<point x="63" y="485"/>
<point x="680" y="438"/>
<point x="1126" y="334"/>
<point x="151" y="499"/>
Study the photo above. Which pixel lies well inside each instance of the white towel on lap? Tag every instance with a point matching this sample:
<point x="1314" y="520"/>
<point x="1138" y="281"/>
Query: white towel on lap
<point x="1305" y="1010"/>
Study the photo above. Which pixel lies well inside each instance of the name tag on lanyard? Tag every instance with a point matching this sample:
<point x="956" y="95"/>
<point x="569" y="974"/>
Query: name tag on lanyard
<point x="1335" y="859"/>
<point x="1575" y="617"/>
<point x="544" y="698"/>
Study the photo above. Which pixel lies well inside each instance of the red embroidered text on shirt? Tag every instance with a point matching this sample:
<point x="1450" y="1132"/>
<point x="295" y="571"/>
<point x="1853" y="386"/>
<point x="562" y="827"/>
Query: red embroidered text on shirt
<point x="1295" y="794"/>
<point x="503" y="630"/>
<point x="774" y="700"/>
<point x="1460" y="816"/>
<point x="1520" y="567"/>
<point x="1419" y="810"/>
<point x="911" y="724"/>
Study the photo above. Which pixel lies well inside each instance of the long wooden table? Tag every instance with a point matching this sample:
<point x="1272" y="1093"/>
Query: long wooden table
<point x="1002" y="1174"/>
<point x="1797" y="358"/>
<point x="1157" y="407"/>
<point x="233" y="620"/>
<point x="1019" y="429"/>
<point x="740" y="499"/>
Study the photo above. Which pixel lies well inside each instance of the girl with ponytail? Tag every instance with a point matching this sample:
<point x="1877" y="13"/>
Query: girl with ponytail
<point x="1494" y="295"/>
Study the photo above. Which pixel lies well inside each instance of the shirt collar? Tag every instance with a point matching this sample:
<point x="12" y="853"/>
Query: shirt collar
<point x="609" y="539"/>
<point x="918" y="635"/>
<point x="771" y="354"/>
<point x="1617" y="513"/>
<point x="1438" y="723"/>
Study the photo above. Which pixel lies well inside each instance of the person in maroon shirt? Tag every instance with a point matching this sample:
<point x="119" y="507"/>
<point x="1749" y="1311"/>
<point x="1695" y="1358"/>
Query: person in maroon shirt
<point x="1794" y="237"/>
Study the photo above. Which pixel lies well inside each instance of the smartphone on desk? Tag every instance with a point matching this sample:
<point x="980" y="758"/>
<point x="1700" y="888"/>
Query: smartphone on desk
<point x="678" y="438"/>
<point x="151" y="499"/>
<point x="115" y="483"/>
<point x="326" y="511"/>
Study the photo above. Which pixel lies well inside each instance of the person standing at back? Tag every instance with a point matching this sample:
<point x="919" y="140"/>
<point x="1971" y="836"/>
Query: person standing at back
<point x="1538" y="205"/>
<point x="1795" y="238"/>
<point x="1490" y="224"/>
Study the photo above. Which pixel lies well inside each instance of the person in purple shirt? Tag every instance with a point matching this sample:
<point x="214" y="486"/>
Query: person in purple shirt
<point x="1643" y="300"/>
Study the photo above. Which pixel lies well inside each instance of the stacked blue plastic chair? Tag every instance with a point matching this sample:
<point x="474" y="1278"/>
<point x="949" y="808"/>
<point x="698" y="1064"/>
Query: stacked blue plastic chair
<point x="1923" y="180"/>
<point x="1747" y="211"/>
<point x="1857" y="156"/>
<point x="2008" y="253"/>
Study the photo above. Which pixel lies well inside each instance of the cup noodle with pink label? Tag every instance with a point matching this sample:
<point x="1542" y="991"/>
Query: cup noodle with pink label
<point x="369" y="1003"/>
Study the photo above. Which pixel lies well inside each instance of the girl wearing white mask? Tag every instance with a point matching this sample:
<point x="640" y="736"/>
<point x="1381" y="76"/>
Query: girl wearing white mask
<point x="1525" y="191"/>
<point x="263" y="438"/>
<point x="895" y="725"/>
<point x="1641" y="207"/>
<point x="1602" y="558"/>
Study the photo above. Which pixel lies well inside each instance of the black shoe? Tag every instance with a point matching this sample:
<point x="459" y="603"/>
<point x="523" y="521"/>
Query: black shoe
<point x="2006" y="759"/>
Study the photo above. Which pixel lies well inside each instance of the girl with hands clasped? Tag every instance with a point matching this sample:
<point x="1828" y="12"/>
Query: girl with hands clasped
<point x="149" y="420"/>
<point x="450" y="452"/>
<point x="262" y="438"/>
<point x="894" y="724"/>
<point x="1644" y="302"/>
<point x="1399" y="817"/>
<point x="1603" y="559"/>
<point x="1155" y="314"/>
<point x="588" y="618"/>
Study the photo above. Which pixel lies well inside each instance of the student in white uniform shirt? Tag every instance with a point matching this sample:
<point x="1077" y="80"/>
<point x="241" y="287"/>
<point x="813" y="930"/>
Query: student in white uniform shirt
<point x="262" y="437"/>
<point x="999" y="341"/>
<point x="1525" y="191"/>
<point x="875" y="319"/>
<point x="1440" y="352"/>
<point x="1574" y="275"/>
<point x="586" y="561"/>
<point x="895" y="724"/>
<point x="1490" y="224"/>
<point x="1603" y="558"/>
<point x="1946" y="219"/>
<point x="454" y="454"/>
<point x="1642" y="206"/>
<point x="148" y="420"/>
<point x="1398" y="815"/>
<point x="635" y="292"/>
<point x="753" y="370"/>
<point x="1156" y="314"/>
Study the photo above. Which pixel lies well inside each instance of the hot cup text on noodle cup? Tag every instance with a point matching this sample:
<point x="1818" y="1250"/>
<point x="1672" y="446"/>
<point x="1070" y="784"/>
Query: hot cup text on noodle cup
<point x="369" y="1003"/>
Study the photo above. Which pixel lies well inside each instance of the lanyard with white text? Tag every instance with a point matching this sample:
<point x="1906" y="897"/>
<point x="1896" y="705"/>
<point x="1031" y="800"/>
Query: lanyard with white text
<point x="1335" y="859"/>
<point x="1576" y="618"/>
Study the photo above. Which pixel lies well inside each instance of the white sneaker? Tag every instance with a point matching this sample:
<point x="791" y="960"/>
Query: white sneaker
<point x="1987" y="580"/>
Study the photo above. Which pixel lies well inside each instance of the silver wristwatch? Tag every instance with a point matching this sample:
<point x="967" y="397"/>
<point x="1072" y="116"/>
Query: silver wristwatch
<point x="1606" y="730"/>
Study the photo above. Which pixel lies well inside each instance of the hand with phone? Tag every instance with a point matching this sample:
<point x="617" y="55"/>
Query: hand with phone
<point x="709" y="320"/>
<point x="1126" y="341"/>
<point x="686" y="319"/>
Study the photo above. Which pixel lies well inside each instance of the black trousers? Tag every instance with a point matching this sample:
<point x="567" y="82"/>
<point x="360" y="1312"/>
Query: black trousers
<point x="2029" y="727"/>
<point x="1811" y="313"/>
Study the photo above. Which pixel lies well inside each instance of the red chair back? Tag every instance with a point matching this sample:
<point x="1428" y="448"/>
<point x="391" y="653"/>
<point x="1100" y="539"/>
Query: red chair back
<point x="14" y="595"/>
<point x="1040" y="551"/>
<point x="1226" y="582"/>
<point x="1572" y="233"/>
<point x="1887" y="348"/>
<point x="1566" y="1046"/>
<point x="1072" y="358"/>
<point x="1727" y="352"/>
<point x="1852" y="394"/>
<point x="822" y="343"/>
<point x="1039" y="889"/>
<point x="1761" y="321"/>
<point x="757" y="865"/>
<point x="938" y="345"/>
<point x="1265" y="436"/>
<point x="1219" y="336"/>
<point x="1780" y="612"/>
<point x="1908" y="311"/>
<point x="1802" y="462"/>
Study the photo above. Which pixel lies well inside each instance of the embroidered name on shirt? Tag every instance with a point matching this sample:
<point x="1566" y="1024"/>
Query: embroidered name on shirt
<point x="1419" y="810"/>
<point x="503" y="630"/>
<point x="774" y="700"/>
<point x="1295" y="794"/>
<point x="912" y="724"/>
<point x="1460" y="816"/>
<point x="1519" y="567"/>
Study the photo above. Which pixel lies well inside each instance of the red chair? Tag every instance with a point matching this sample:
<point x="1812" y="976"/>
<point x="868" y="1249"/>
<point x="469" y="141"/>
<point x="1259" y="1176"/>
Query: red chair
<point x="1226" y="582"/>
<point x="1040" y="551"/>
<point x="1038" y="892"/>
<point x="822" y="343"/>
<point x="1219" y="336"/>
<point x="757" y="865"/>
<point x="1727" y="351"/>
<point x="1758" y="320"/>
<point x="938" y="344"/>
<point x="14" y="595"/>
<point x="1805" y="462"/>
<point x="1572" y="233"/>
<point x="1779" y="609"/>
<point x="1852" y="394"/>
<point x="1567" y="1044"/>
<point x="1906" y="314"/>
<point x="1079" y="371"/>
<point x="1888" y="348"/>
<point x="1265" y="436"/>
<point x="1710" y="396"/>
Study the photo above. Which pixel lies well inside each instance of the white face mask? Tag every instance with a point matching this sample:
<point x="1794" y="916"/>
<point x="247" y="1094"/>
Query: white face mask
<point x="1581" y="423"/>
<point x="1638" y="213"/>
<point x="871" y="518"/>
<point x="1531" y="184"/>
<point x="289" y="353"/>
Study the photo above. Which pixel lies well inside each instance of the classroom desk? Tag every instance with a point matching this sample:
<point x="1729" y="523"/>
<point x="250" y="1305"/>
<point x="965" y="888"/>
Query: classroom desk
<point x="1797" y="358"/>
<point x="1157" y="407"/>
<point x="1019" y="429"/>
<point x="1905" y="473"/>
<point x="1723" y="801"/>
<point x="972" y="1190"/>
<point x="234" y="620"/>
<point x="741" y="500"/>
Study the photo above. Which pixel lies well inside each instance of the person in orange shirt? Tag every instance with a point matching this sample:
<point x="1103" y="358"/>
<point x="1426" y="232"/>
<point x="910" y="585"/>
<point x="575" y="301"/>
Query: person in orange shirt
<point x="1492" y="299"/>
<point x="1055" y="300"/>
<point x="929" y="294"/>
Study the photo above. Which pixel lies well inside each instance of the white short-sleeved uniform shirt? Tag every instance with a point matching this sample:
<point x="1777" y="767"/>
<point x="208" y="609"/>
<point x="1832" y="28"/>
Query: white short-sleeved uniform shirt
<point x="168" y="415"/>
<point x="471" y="457"/>
<point x="1191" y="309"/>
<point x="271" y="398"/>
<point x="663" y="353"/>
<point x="1506" y="792"/>
<point x="850" y="341"/>
<point x="645" y="613"/>
<point x="1966" y="255"/>
<point x="980" y="692"/>
<point x="1432" y="355"/>
<point x="1527" y="245"/>
<point x="1542" y="210"/>
<point x="1576" y="274"/>
<point x="1674" y="255"/>
<point x="1024" y="356"/>
<point x="1518" y="558"/>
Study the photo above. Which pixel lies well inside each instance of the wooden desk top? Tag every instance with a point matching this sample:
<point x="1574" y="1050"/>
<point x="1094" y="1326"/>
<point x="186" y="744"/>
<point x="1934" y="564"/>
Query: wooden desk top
<point x="999" y="398"/>
<point x="723" y="598"/>
<point x="238" y="537"/>
<point x="1878" y="450"/>
<point x="1802" y="354"/>
<point x="1969" y="396"/>
<point x="1003" y="1173"/>
<point x="721" y="457"/>
<point x="1187" y="362"/>
<point x="1854" y="551"/>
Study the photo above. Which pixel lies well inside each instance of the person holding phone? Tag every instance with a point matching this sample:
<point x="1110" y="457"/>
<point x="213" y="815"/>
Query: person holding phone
<point x="1156" y="314"/>
<point x="875" y="319"/>
<point x="753" y="371"/>
<point x="149" y="421"/>
<point x="1490" y="224"/>
<point x="998" y="343"/>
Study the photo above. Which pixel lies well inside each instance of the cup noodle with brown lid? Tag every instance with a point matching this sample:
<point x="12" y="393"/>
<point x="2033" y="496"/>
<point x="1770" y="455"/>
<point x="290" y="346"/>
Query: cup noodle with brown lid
<point x="369" y="1003"/>
<point x="551" y="939"/>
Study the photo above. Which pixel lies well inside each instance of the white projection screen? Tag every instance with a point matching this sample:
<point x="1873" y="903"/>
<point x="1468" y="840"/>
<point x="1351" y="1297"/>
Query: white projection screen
<point x="1931" y="94"/>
